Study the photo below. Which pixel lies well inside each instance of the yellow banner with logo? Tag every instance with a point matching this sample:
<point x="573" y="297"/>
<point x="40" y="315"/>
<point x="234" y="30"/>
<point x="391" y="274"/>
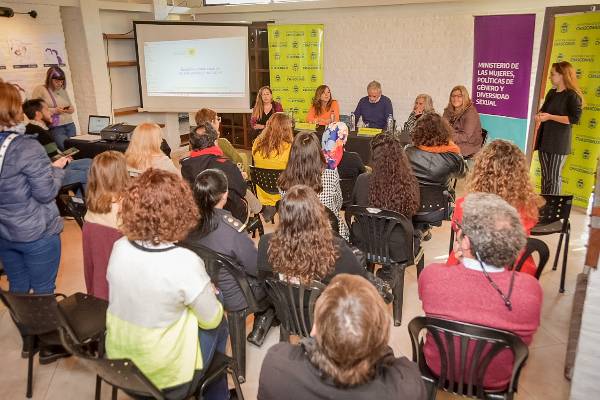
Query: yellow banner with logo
<point x="296" y="65"/>
<point x="577" y="40"/>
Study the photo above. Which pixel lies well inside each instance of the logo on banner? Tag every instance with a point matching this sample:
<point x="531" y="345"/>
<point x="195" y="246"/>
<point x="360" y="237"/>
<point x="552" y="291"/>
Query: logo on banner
<point x="585" y="41"/>
<point x="313" y="33"/>
<point x="313" y="78"/>
<point x="296" y="89"/>
<point x="598" y="91"/>
<point x="592" y="123"/>
<point x="580" y="183"/>
<point x="564" y="28"/>
<point x="578" y="73"/>
<point x="276" y="34"/>
<point x="586" y="154"/>
<point x="560" y="57"/>
<point x="295" y="44"/>
<point x="314" y="55"/>
<point x="295" y="67"/>
<point x="277" y="77"/>
<point x="277" y="56"/>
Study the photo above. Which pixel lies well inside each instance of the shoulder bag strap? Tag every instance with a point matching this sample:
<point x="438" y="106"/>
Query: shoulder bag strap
<point x="4" y="147"/>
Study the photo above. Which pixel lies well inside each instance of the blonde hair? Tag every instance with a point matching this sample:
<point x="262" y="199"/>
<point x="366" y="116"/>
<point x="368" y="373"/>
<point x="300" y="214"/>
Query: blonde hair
<point x="567" y="71"/>
<point x="145" y="143"/>
<point x="276" y="134"/>
<point x="258" y="104"/>
<point x="428" y="102"/>
<point x="466" y="99"/>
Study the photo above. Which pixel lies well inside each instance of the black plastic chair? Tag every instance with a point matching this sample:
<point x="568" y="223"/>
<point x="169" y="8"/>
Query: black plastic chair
<point x="294" y="305"/>
<point x="333" y="220"/>
<point x="266" y="179"/>
<point x="68" y="191"/>
<point x="347" y="186"/>
<point x="75" y="207"/>
<point x="125" y="375"/>
<point x="452" y="340"/>
<point x="36" y="315"/>
<point x="554" y="218"/>
<point x="535" y="246"/>
<point x="376" y="229"/>
<point x="214" y="262"/>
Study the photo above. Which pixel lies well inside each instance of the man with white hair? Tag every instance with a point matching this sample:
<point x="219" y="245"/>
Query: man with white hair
<point x="481" y="289"/>
<point x="375" y="107"/>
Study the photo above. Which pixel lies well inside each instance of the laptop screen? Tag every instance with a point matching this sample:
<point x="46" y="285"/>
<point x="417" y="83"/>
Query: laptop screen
<point x="96" y="123"/>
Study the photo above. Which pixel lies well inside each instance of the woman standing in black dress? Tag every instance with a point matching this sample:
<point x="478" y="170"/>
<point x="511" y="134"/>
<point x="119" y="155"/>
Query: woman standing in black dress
<point x="561" y="109"/>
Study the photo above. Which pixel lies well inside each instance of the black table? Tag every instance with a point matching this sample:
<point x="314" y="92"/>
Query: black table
<point x="92" y="149"/>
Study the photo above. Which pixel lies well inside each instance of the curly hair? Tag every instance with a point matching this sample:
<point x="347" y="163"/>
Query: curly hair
<point x="158" y="207"/>
<point x="306" y="164"/>
<point x="350" y="356"/>
<point x="277" y="133"/>
<point x="393" y="185"/>
<point x="501" y="168"/>
<point x="302" y="246"/>
<point x="432" y="130"/>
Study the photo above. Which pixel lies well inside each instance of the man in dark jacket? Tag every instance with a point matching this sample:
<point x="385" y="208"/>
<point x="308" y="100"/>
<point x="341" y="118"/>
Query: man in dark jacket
<point x="39" y="118"/>
<point x="206" y="154"/>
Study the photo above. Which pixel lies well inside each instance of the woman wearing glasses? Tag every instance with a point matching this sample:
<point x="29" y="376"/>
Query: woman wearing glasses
<point x="54" y="93"/>
<point x="464" y="118"/>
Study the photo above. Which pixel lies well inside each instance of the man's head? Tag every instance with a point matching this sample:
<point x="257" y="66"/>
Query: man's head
<point x="203" y="137"/>
<point x="374" y="91"/>
<point x="490" y="230"/>
<point x="37" y="110"/>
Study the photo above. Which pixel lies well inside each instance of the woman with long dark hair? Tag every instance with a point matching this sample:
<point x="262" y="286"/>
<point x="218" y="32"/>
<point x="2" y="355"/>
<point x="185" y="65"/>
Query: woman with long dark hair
<point x="219" y="231"/>
<point x="303" y="247"/>
<point x="561" y="109"/>
<point x="307" y="166"/>
<point x="324" y="109"/>
<point x="54" y="93"/>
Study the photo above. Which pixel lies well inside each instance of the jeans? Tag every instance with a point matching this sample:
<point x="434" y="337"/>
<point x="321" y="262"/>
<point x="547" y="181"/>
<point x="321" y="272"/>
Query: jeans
<point x="77" y="171"/>
<point x="31" y="265"/>
<point x="61" y="133"/>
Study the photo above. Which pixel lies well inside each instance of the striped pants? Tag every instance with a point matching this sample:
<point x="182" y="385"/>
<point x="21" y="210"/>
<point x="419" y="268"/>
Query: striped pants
<point x="552" y="165"/>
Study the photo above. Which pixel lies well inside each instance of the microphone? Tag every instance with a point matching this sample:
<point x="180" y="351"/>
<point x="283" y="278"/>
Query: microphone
<point x="6" y="12"/>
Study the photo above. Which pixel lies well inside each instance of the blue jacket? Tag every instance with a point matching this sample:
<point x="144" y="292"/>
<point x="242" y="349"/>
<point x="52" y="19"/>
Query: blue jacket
<point x="374" y="114"/>
<point x="28" y="188"/>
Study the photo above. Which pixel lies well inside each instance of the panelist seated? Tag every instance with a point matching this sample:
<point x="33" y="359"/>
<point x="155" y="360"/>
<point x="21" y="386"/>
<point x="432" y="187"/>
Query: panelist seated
<point x="423" y="105"/>
<point x="374" y="108"/>
<point x="324" y="109"/>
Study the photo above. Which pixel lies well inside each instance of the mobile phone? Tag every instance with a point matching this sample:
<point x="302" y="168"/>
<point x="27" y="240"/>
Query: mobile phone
<point x="66" y="153"/>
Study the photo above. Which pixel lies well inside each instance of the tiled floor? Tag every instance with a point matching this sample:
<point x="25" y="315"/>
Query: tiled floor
<point x="542" y="377"/>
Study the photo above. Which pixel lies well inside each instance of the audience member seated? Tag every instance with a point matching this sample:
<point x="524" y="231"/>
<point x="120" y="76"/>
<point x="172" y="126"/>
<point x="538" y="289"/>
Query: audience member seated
<point x="307" y="166"/>
<point x="464" y="118"/>
<point x="206" y="154"/>
<point x="303" y="247"/>
<point x="220" y="231"/>
<point x="39" y="116"/>
<point x="144" y="151"/>
<point x="108" y="183"/>
<point x="324" y="109"/>
<point x="479" y="289"/>
<point x="271" y="150"/>
<point x="423" y="105"/>
<point x="501" y="168"/>
<point x="163" y="313"/>
<point x="391" y="186"/>
<point x="207" y="115"/>
<point x="434" y="158"/>
<point x="347" y="356"/>
<point x="349" y="164"/>
<point x="374" y="108"/>
<point x="264" y="108"/>
<point x="30" y="225"/>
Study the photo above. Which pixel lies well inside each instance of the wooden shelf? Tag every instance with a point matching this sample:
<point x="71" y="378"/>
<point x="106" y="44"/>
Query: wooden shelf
<point x="117" y="36"/>
<point x="112" y="64"/>
<point x="125" y="111"/>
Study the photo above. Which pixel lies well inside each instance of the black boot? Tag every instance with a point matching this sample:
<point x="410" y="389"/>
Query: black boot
<point x="51" y="353"/>
<point x="262" y="324"/>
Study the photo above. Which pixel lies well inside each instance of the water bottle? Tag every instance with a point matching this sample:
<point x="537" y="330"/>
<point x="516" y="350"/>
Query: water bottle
<point x="352" y="122"/>
<point x="390" y="124"/>
<point x="360" y="123"/>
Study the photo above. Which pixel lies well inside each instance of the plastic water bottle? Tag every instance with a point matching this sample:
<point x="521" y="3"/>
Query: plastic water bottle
<point x="360" y="123"/>
<point x="390" y="124"/>
<point x="352" y="122"/>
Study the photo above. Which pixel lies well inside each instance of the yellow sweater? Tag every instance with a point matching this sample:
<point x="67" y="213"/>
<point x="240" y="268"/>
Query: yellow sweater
<point x="274" y="161"/>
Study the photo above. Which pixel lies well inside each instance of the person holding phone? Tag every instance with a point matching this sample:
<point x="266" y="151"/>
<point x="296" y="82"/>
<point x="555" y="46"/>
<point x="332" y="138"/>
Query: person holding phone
<point x="54" y="93"/>
<point x="40" y="116"/>
<point x="561" y="109"/>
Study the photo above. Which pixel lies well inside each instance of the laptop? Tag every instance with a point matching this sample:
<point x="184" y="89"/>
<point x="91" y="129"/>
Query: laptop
<point x="95" y="125"/>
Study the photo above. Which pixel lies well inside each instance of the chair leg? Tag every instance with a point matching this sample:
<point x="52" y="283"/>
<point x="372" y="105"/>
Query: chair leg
<point x="114" y="393"/>
<point x="98" y="388"/>
<point x="420" y="265"/>
<point x="284" y="335"/>
<point x="236" y="384"/>
<point x="560" y="240"/>
<point x="398" y="292"/>
<point x="30" y="344"/>
<point x="237" y="332"/>
<point x="563" y="272"/>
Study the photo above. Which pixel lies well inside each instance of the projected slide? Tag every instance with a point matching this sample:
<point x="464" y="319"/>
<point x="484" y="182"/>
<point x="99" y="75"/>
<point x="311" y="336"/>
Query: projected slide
<point x="196" y="68"/>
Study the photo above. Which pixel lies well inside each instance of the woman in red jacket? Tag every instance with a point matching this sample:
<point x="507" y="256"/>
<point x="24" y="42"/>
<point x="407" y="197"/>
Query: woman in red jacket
<point x="501" y="168"/>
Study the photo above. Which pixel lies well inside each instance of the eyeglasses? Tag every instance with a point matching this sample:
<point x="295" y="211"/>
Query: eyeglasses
<point x="456" y="95"/>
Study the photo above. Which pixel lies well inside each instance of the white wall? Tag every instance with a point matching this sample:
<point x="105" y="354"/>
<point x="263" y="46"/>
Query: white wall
<point x="47" y="25"/>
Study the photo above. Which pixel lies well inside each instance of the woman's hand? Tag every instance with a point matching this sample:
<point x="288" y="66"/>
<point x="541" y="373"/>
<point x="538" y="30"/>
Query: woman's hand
<point x="544" y="117"/>
<point x="537" y="118"/>
<point x="61" y="162"/>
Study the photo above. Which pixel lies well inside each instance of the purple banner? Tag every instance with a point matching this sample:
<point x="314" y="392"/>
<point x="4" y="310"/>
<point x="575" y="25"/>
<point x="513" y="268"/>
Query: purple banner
<point x="502" y="64"/>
